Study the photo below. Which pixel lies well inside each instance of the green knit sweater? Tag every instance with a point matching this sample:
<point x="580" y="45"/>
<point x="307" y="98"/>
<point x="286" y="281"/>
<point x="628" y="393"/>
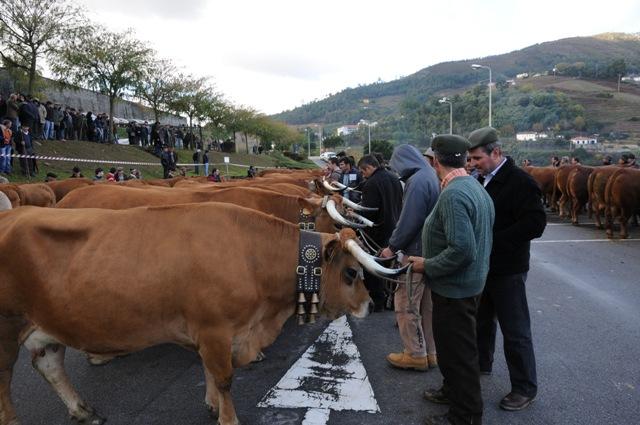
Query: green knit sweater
<point x="456" y="239"/>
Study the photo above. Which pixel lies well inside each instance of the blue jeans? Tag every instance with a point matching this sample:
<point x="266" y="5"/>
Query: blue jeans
<point x="206" y="168"/>
<point x="48" y="130"/>
<point x="5" y="160"/>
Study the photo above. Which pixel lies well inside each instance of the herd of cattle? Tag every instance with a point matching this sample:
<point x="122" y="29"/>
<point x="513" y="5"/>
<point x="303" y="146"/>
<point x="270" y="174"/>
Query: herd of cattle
<point x="612" y="192"/>
<point x="114" y="268"/>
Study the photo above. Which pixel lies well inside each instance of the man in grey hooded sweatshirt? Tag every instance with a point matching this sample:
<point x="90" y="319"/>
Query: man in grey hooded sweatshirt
<point x="421" y="191"/>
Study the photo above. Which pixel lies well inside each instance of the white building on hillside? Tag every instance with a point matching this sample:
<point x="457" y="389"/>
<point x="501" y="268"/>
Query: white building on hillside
<point x="584" y="140"/>
<point x="530" y="136"/>
<point x="346" y="130"/>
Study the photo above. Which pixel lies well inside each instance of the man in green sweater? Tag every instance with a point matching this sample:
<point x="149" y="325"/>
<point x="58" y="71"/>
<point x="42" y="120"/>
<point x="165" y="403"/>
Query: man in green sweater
<point x="456" y="245"/>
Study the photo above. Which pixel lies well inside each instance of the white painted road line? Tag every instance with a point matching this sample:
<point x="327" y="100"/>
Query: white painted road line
<point x="328" y="376"/>
<point x="585" y="240"/>
<point x="316" y="417"/>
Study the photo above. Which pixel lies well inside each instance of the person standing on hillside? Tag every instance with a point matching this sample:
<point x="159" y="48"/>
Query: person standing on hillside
<point x="381" y="190"/>
<point x="205" y="162"/>
<point x="456" y="244"/>
<point x="196" y="162"/>
<point x="24" y="146"/>
<point x="520" y="217"/>
<point x="421" y="189"/>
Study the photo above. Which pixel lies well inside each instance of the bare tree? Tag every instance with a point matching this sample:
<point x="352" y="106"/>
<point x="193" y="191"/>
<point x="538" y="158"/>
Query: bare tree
<point x="111" y="63"/>
<point x="32" y="29"/>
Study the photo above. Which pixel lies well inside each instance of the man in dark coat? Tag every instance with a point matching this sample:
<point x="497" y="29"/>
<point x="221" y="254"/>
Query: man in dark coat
<point x="520" y="217"/>
<point x="24" y="146"/>
<point x="381" y="190"/>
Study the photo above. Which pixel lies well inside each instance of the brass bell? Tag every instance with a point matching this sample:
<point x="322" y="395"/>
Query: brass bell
<point x="301" y="320"/>
<point x="314" y="298"/>
<point x="301" y="298"/>
<point x="301" y="309"/>
<point x="314" y="309"/>
<point x="312" y="318"/>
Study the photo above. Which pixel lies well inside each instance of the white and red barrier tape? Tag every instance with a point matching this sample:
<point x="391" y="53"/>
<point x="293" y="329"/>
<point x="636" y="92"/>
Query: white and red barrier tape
<point x="101" y="161"/>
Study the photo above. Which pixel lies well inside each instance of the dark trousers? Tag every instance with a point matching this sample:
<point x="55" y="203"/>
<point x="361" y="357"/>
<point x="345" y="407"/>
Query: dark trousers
<point x="505" y="299"/>
<point x="375" y="286"/>
<point x="454" y="331"/>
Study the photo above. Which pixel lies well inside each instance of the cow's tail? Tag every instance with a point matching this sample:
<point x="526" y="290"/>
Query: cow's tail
<point x="590" y="194"/>
<point x="610" y="210"/>
<point x="554" y="192"/>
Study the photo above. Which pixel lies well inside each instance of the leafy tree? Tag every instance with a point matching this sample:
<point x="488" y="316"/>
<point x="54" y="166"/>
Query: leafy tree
<point x="579" y="123"/>
<point x="193" y="97"/>
<point x="32" y="29"/>
<point x="157" y="87"/>
<point x="111" y="63"/>
<point x="333" y="141"/>
<point x="383" y="147"/>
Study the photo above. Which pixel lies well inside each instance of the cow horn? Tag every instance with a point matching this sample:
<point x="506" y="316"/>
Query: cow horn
<point x="362" y="219"/>
<point x="333" y="212"/>
<point x="328" y="186"/>
<point x="357" y="207"/>
<point x="369" y="262"/>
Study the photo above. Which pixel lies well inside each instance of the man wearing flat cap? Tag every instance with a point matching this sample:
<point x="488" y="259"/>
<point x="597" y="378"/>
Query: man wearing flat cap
<point x="520" y="217"/>
<point x="456" y="244"/>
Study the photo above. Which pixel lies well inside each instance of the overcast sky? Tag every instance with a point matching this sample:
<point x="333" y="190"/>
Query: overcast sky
<point x="278" y="54"/>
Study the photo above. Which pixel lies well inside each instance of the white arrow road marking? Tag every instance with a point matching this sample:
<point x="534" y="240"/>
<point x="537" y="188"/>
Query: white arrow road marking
<point x="328" y="376"/>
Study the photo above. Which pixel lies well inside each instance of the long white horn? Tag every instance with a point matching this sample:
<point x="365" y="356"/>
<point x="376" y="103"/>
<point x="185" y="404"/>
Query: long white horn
<point x="329" y="187"/>
<point x="355" y="206"/>
<point x="333" y="212"/>
<point x="362" y="219"/>
<point x="370" y="264"/>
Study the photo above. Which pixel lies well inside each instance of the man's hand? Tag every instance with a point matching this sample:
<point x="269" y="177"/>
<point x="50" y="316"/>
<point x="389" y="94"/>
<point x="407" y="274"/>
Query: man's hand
<point x="418" y="264"/>
<point x="386" y="253"/>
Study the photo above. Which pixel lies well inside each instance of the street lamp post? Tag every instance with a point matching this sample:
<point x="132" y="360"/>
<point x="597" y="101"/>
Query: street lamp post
<point x="308" y="143"/>
<point x="369" y="136"/>
<point x="446" y="100"/>
<point x="477" y="66"/>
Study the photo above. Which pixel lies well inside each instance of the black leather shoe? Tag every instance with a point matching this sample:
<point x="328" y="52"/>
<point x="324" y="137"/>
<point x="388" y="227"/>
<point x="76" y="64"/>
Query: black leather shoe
<point x="514" y="402"/>
<point x="436" y="396"/>
<point x="438" y="420"/>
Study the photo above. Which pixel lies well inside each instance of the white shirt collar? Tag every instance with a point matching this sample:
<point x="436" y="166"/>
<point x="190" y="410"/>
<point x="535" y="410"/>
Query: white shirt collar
<point x="491" y="175"/>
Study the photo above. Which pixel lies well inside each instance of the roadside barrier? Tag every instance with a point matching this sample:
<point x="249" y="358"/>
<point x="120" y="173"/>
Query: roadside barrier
<point x="103" y="161"/>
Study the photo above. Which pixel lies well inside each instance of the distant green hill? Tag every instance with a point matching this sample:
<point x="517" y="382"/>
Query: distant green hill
<point x="596" y="57"/>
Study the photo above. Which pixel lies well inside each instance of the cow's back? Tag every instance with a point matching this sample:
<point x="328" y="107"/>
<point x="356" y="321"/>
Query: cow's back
<point x="62" y="187"/>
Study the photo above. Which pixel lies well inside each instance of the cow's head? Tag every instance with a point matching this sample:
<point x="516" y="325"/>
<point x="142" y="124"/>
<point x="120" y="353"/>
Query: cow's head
<point x="342" y="289"/>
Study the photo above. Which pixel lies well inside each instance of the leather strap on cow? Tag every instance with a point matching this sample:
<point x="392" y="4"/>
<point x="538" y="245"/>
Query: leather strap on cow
<point x="306" y="221"/>
<point x="309" y="274"/>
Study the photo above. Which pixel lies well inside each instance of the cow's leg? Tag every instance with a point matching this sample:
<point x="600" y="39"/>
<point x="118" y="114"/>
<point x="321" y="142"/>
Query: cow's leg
<point x="48" y="359"/>
<point x="609" y="214"/>
<point x="215" y="352"/>
<point x="596" y="216"/>
<point x="212" y="399"/>
<point x="99" y="359"/>
<point x="624" y="220"/>
<point x="9" y="348"/>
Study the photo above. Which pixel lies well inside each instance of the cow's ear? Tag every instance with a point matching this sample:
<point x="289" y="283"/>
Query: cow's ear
<point x="308" y="205"/>
<point x="330" y="249"/>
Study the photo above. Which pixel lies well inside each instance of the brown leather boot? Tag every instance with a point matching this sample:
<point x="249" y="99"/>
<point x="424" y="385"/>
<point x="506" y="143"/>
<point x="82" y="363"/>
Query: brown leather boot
<point x="406" y="361"/>
<point x="433" y="360"/>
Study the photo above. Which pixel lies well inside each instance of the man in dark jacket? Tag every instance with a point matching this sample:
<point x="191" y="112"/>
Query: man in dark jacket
<point x="24" y="146"/>
<point x="381" y="190"/>
<point x="421" y="191"/>
<point x="520" y="217"/>
<point x="350" y="177"/>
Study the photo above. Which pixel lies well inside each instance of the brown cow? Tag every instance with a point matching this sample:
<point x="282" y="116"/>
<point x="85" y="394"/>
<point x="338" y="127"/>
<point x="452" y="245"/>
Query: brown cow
<point x="622" y="195"/>
<point x="577" y="190"/>
<point x="38" y="195"/>
<point x="545" y="177"/>
<point x="15" y="194"/>
<point x="596" y="187"/>
<point x="560" y="195"/>
<point x="62" y="187"/>
<point x="235" y="304"/>
<point x="286" y="207"/>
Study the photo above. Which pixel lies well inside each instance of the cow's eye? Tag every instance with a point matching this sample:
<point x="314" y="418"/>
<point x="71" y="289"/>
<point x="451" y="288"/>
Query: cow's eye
<point x="351" y="275"/>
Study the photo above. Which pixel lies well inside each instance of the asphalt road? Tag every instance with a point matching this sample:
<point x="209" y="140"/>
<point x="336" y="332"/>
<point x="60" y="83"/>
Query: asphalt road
<point x="583" y="295"/>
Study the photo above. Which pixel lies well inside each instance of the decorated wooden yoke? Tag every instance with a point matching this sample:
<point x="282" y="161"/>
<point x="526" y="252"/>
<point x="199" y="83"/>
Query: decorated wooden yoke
<point x="309" y="274"/>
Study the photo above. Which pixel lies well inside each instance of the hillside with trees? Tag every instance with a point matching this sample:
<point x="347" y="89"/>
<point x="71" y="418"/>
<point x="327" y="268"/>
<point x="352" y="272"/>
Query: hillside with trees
<point x="603" y="57"/>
